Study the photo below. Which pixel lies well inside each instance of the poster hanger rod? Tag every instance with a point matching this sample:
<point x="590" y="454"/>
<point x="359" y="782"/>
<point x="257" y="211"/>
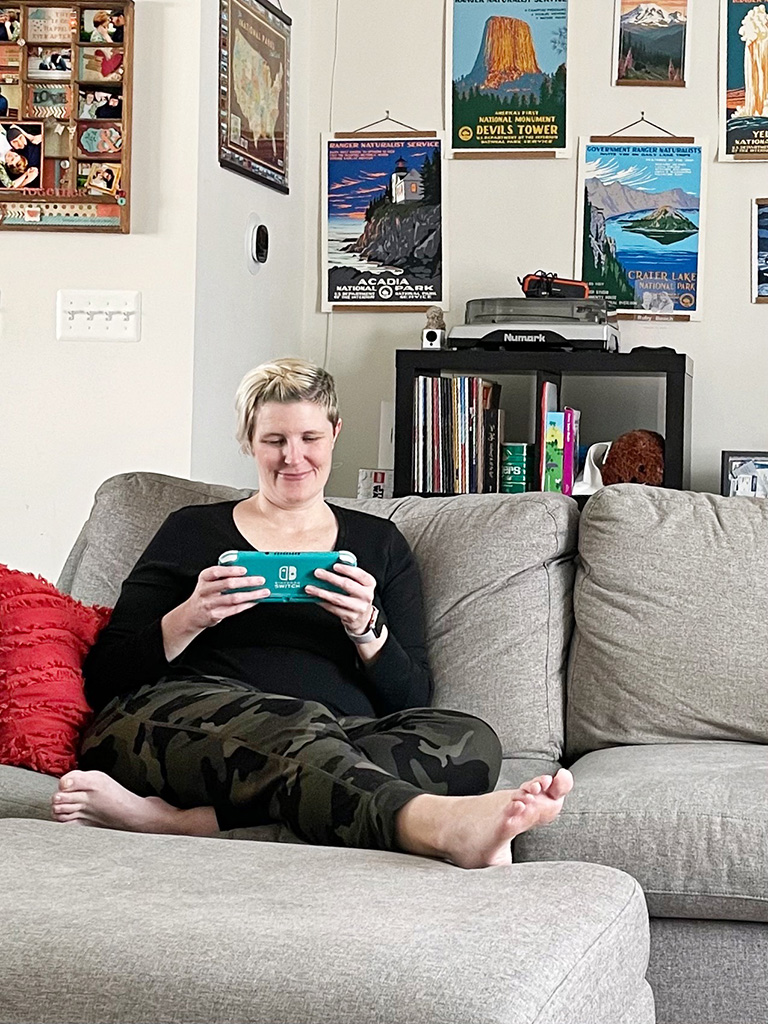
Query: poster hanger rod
<point x="394" y="120"/>
<point x="642" y="120"/>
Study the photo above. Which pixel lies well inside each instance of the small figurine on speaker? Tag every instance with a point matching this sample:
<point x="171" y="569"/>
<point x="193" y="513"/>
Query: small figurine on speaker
<point x="433" y="335"/>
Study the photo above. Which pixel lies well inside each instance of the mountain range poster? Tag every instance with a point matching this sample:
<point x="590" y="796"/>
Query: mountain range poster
<point x="650" y="42"/>
<point x="638" y="237"/>
<point x="507" y="75"/>
<point x="383" y="223"/>
<point x="743" y="80"/>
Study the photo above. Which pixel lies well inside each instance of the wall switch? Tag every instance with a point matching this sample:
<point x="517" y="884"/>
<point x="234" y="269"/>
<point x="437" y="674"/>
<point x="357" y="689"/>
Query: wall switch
<point x="98" y="316"/>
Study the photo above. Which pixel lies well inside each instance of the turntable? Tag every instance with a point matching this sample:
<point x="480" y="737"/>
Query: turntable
<point x="527" y="325"/>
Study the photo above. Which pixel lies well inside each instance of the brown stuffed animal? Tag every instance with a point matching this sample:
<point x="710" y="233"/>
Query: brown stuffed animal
<point x="635" y="458"/>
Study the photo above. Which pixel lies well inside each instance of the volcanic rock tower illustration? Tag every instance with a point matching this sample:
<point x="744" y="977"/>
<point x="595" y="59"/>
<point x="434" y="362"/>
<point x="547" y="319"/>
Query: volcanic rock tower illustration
<point x="506" y="54"/>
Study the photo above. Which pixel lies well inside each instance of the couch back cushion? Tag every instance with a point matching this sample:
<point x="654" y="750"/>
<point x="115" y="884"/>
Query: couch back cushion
<point x="671" y="630"/>
<point x="497" y="573"/>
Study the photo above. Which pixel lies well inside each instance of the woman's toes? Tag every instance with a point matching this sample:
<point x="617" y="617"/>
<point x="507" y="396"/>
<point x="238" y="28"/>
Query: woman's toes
<point x="561" y="784"/>
<point x="69" y="781"/>
<point x="533" y="787"/>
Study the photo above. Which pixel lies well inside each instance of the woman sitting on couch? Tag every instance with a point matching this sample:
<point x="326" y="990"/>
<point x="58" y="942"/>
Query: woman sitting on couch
<point x="218" y="710"/>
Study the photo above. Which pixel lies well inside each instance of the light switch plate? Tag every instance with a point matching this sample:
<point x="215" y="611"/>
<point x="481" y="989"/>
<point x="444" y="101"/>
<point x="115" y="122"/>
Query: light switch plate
<point x="91" y="315"/>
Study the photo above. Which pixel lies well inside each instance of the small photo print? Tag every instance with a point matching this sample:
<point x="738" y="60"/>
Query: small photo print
<point x="44" y="62"/>
<point x="101" y="65"/>
<point x="21" y="155"/>
<point x="10" y="24"/>
<point x="105" y="25"/>
<point x="101" y="104"/>
<point x="49" y="100"/>
<point x="50" y="24"/>
<point x="744" y="474"/>
<point x="10" y="100"/>
<point x="99" y="140"/>
<point x="103" y="179"/>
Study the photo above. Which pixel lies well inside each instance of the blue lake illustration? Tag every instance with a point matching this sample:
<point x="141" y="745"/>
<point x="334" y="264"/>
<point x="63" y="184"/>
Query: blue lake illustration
<point x="638" y="252"/>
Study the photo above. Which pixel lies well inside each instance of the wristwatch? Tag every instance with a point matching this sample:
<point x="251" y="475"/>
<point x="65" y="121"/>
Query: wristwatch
<point x="372" y="631"/>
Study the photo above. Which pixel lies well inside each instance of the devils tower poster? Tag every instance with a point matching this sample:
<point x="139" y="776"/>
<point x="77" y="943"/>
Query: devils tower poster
<point x="508" y="74"/>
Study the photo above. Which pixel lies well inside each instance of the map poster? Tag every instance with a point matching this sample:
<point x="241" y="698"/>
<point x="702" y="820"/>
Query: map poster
<point x="638" y="238"/>
<point x="743" y="80"/>
<point x="383" y="226"/>
<point x="507" y="75"/>
<point x="650" y="42"/>
<point x="254" y="67"/>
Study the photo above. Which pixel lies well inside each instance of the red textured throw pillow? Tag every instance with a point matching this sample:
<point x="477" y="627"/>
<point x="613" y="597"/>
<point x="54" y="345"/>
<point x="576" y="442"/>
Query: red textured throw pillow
<point x="44" y="638"/>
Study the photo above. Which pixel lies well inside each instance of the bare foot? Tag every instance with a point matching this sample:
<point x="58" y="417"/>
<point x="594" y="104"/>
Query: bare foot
<point x="475" y="831"/>
<point x="93" y="798"/>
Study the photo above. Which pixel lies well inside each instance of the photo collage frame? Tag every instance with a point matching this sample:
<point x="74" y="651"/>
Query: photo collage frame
<point x="65" y="116"/>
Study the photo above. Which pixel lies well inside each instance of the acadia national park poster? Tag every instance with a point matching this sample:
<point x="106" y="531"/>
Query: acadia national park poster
<point x="507" y="74"/>
<point x="639" y="235"/>
<point x="383" y="225"/>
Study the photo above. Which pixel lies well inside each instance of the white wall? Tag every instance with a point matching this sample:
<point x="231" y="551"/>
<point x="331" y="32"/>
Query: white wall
<point x="242" y="320"/>
<point x="72" y="414"/>
<point x="509" y="217"/>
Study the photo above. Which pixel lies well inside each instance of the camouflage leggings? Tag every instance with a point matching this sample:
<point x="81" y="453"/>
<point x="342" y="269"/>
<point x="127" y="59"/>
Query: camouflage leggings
<point x="259" y="758"/>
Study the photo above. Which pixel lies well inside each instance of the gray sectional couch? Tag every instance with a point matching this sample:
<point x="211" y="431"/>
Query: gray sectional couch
<point x="658" y="635"/>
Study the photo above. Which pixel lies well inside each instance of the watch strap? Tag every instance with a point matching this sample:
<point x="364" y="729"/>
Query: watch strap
<point x="372" y="631"/>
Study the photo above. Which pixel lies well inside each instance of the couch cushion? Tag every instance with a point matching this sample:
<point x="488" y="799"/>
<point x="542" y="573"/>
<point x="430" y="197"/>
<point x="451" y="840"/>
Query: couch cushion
<point x="25" y="794"/>
<point x="497" y="572"/>
<point x="180" y="930"/>
<point x="689" y="821"/>
<point x="128" y="509"/>
<point x="671" y="632"/>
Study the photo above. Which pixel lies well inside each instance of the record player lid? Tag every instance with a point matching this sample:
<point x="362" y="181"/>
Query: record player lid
<point x="499" y="311"/>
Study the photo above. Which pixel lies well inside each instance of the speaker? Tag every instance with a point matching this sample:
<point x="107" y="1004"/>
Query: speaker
<point x="432" y="338"/>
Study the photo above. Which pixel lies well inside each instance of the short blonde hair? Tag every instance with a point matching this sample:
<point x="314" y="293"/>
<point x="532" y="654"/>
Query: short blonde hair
<point x="283" y="380"/>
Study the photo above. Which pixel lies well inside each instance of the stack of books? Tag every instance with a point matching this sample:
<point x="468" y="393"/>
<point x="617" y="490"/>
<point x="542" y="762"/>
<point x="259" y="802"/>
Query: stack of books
<point x="457" y="435"/>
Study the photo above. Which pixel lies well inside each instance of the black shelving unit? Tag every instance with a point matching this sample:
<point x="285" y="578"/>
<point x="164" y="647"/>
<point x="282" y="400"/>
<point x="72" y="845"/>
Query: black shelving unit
<point x="675" y="368"/>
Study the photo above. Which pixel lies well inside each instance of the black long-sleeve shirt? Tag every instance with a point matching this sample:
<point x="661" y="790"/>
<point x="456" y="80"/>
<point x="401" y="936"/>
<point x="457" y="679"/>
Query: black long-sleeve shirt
<point x="295" y="649"/>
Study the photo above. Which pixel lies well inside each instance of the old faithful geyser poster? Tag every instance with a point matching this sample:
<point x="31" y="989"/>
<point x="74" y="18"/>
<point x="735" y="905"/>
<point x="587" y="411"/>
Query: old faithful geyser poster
<point x="743" y="81"/>
<point x="507" y="72"/>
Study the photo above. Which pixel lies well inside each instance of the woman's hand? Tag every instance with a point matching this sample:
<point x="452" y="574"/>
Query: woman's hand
<point x="219" y="594"/>
<point x="355" y="605"/>
<point x="213" y="599"/>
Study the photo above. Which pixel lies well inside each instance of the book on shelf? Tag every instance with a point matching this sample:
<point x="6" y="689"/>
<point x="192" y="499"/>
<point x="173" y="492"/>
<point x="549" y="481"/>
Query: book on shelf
<point x="553" y="446"/>
<point x="493" y="425"/>
<point x="570" y="447"/>
<point x="548" y="403"/>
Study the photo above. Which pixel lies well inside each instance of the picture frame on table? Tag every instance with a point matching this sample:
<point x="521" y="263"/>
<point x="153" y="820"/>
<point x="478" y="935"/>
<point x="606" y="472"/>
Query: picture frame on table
<point x="744" y="474"/>
<point x="254" y="95"/>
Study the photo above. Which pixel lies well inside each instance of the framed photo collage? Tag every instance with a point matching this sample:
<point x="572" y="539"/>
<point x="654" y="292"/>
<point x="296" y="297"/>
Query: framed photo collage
<point x="65" y="116"/>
